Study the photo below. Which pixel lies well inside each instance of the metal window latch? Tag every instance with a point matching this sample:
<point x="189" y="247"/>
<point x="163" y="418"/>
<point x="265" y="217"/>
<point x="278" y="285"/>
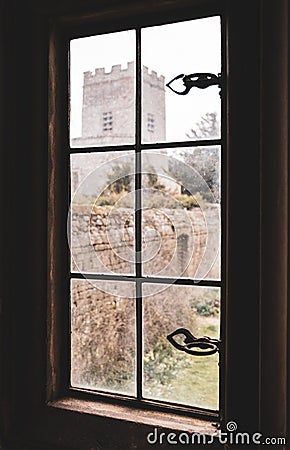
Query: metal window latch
<point x="199" y="80"/>
<point x="206" y="345"/>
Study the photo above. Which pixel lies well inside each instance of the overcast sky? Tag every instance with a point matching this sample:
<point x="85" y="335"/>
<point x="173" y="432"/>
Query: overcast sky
<point x="184" y="47"/>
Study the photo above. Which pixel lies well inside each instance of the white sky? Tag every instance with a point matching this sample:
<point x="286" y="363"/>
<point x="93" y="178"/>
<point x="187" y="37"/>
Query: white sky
<point x="184" y="47"/>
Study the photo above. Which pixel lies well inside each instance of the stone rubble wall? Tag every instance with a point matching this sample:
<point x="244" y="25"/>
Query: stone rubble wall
<point x="103" y="327"/>
<point x="104" y="241"/>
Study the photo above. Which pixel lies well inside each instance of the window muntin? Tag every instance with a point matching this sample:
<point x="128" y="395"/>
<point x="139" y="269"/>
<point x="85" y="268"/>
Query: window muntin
<point x="142" y="278"/>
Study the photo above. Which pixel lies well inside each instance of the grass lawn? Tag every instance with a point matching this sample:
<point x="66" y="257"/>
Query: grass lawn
<point x="196" y="378"/>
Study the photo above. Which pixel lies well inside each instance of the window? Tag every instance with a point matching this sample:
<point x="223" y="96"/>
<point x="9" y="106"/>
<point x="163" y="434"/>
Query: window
<point x="43" y="412"/>
<point x="150" y="123"/>
<point x="107" y="121"/>
<point x="145" y="235"/>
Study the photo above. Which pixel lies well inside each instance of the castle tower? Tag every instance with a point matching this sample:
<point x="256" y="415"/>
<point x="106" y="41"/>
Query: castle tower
<point x="153" y="106"/>
<point x="108" y="111"/>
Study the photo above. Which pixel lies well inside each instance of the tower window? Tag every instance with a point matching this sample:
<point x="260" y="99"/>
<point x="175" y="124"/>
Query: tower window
<point x="150" y="123"/>
<point x="75" y="180"/>
<point x="107" y="121"/>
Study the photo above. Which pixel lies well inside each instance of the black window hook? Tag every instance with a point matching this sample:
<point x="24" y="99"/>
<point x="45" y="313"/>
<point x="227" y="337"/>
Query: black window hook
<point x="203" y="346"/>
<point x="199" y="80"/>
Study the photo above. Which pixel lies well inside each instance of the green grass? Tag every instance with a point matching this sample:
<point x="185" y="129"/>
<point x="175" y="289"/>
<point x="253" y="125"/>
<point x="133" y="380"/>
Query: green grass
<point x="195" y="379"/>
<point x="197" y="385"/>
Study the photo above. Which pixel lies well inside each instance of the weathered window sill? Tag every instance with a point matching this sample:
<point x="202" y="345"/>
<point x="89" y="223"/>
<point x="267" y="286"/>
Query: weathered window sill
<point x="152" y="418"/>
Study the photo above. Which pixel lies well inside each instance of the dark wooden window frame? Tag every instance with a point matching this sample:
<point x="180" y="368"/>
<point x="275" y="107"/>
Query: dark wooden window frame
<point x="138" y="278"/>
<point x="35" y="412"/>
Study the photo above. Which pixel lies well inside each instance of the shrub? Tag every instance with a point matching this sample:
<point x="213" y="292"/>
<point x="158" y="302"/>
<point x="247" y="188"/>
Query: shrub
<point x="189" y="201"/>
<point x="206" y="307"/>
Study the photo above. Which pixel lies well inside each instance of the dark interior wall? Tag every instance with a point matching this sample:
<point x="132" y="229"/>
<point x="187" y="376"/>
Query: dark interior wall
<point x="258" y="163"/>
<point x="274" y="168"/>
<point x="243" y="283"/>
<point x="23" y="216"/>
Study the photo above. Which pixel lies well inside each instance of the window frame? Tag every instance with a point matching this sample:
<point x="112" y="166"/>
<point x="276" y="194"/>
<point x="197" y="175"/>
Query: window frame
<point x="35" y="411"/>
<point x="139" y="146"/>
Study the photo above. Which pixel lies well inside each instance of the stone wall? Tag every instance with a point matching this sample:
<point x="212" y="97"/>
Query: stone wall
<point x="174" y="241"/>
<point x="103" y="313"/>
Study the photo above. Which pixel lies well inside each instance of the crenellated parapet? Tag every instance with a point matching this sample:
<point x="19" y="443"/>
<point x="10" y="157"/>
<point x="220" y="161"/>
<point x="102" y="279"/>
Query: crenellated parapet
<point x="152" y="78"/>
<point x="115" y="74"/>
<point x="118" y="73"/>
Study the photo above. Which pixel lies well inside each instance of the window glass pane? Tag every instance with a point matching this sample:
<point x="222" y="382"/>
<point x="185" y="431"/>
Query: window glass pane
<point x="181" y="213"/>
<point x="103" y="336"/>
<point x="170" y="374"/>
<point x="101" y="226"/>
<point x="102" y="86"/>
<point x="179" y="222"/>
<point x="170" y="50"/>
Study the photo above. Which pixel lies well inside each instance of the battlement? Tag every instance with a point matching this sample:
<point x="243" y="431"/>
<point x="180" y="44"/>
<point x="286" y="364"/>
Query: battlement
<point x="117" y="73"/>
<point x="152" y="78"/>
